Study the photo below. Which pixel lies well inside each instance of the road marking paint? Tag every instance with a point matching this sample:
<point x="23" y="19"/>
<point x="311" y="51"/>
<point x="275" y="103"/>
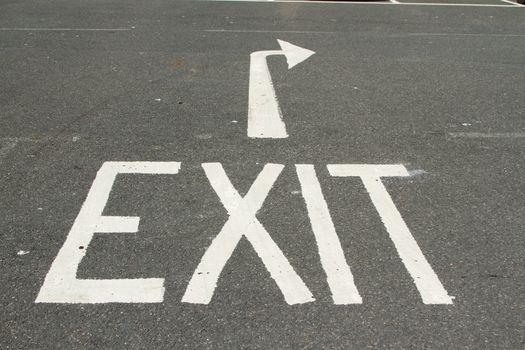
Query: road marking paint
<point x="425" y="279"/>
<point x="339" y="276"/>
<point x="266" y="31"/>
<point x="61" y="284"/>
<point x="451" y="4"/>
<point x="495" y="135"/>
<point x="264" y="114"/>
<point x="462" y="34"/>
<point x="512" y="2"/>
<point x="342" y="32"/>
<point x="66" y="29"/>
<point x="371" y="3"/>
<point x="242" y="221"/>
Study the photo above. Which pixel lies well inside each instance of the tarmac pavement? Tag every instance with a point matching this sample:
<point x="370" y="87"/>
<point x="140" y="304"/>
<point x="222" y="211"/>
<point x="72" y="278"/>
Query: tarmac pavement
<point x="308" y="248"/>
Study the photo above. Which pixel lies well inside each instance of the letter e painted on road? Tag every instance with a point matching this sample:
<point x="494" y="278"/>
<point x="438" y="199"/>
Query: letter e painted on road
<point x="61" y="284"/>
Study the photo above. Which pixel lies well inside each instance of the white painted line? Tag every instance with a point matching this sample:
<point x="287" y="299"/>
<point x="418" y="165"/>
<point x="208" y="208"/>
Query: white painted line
<point x="266" y="31"/>
<point x="339" y="276"/>
<point x="511" y="2"/>
<point x="451" y="4"/>
<point x="343" y="32"/>
<point x="243" y="222"/>
<point x="370" y="3"/>
<point x="462" y="34"/>
<point x="67" y="29"/>
<point x="61" y="284"/>
<point x="496" y="135"/>
<point x="425" y="279"/>
<point x="264" y="114"/>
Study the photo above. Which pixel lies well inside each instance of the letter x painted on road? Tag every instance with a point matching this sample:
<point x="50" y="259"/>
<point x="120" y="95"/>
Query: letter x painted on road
<point x="242" y="222"/>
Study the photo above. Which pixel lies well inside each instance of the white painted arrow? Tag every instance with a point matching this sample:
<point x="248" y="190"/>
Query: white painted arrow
<point x="265" y="118"/>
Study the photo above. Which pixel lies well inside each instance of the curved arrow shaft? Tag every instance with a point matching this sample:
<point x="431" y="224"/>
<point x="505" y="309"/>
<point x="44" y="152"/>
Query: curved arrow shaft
<point x="264" y="115"/>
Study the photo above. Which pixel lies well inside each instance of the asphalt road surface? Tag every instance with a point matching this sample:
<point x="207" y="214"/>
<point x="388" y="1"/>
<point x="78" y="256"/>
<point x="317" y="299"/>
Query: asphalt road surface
<point x="356" y="184"/>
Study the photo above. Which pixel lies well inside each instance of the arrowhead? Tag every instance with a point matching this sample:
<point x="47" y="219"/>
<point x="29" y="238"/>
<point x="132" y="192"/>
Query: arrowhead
<point x="294" y="54"/>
